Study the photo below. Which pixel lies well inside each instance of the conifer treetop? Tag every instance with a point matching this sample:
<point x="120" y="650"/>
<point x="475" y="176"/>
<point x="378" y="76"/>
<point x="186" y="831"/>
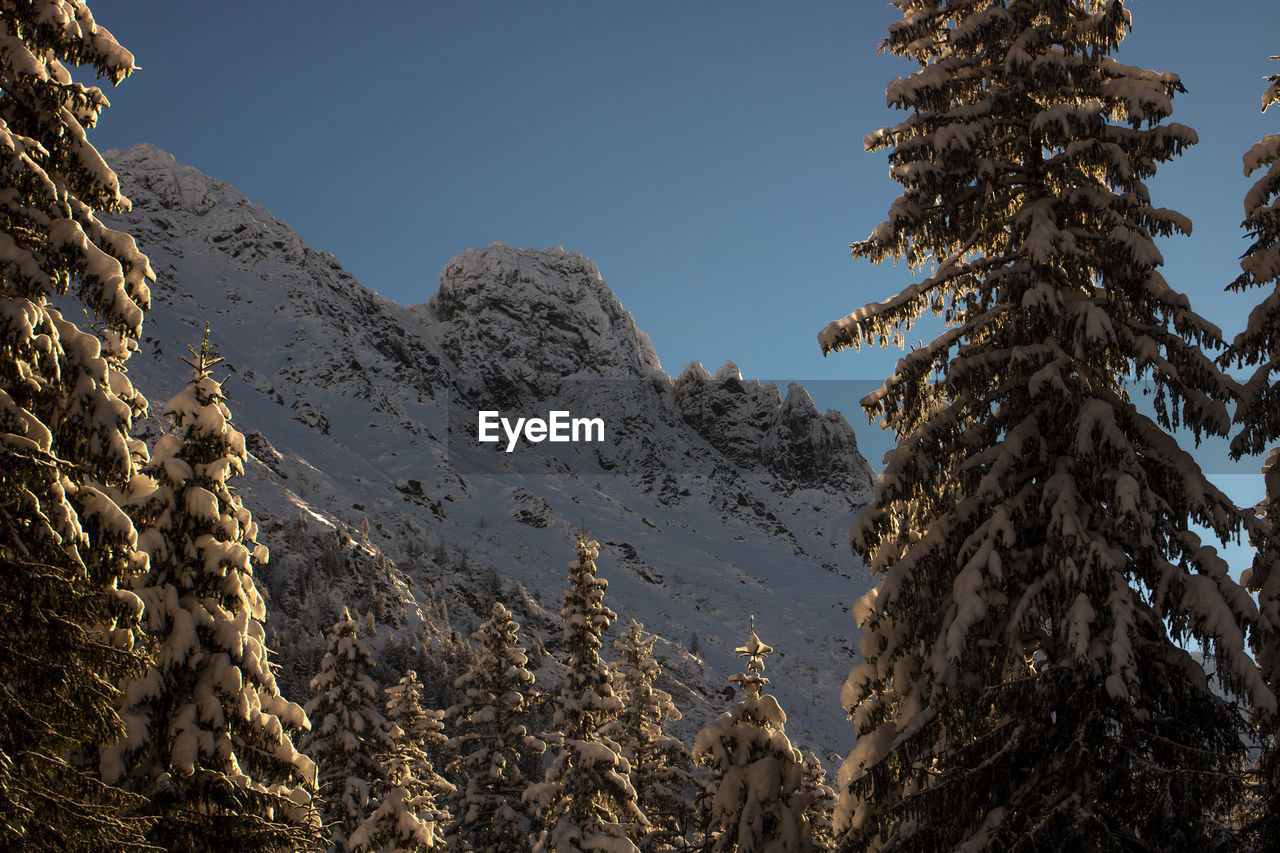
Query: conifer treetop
<point x="587" y="800"/>
<point x="587" y="697"/>
<point x="759" y="797"/>
<point x="995" y="145"/>
<point x="752" y="681"/>
<point x="489" y="738"/>
<point x="210" y="738"/>
<point x="349" y="732"/>
<point x="204" y="360"/>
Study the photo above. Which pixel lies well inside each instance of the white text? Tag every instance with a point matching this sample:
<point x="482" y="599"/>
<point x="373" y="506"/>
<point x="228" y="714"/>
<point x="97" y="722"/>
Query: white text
<point x="558" y="427"/>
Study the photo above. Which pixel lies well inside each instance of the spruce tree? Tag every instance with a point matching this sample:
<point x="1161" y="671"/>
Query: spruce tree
<point x="348" y="733"/>
<point x="210" y="738"/>
<point x="758" y="798"/>
<point x="822" y="803"/>
<point x="1025" y="682"/>
<point x="423" y="728"/>
<point x="1258" y="416"/>
<point x="410" y="816"/>
<point x="586" y="801"/>
<point x="67" y="552"/>
<point x="490" y="740"/>
<point x="661" y="770"/>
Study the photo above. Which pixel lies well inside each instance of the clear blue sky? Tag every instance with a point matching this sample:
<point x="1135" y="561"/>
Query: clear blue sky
<point x="706" y="155"/>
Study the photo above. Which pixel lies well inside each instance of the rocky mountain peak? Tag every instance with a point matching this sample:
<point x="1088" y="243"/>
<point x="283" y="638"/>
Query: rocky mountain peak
<point x="157" y="181"/>
<point x="727" y="372"/>
<point x="166" y="191"/>
<point x="547" y="312"/>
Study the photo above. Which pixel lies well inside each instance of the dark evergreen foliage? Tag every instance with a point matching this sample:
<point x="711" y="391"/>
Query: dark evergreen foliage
<point x="67" y="552"/>
<point x="1026" y="683"/>
<point x="490" y="739"/>
<point x="348" y="733"/>
<point x="586" y="801"/>
<point x="661" y="768"/>
<point x="1258" y="419"/>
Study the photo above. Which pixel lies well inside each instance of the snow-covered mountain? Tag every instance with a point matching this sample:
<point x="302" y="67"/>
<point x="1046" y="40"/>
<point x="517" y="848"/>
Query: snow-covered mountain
<point x="713" y="498"/>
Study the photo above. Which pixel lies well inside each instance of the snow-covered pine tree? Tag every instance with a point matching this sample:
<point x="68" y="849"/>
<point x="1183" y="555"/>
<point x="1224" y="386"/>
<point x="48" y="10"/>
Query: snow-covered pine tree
<point x="490" y="739"/>
<point x="822" y="804"/>
<point x="1025" y="677"/>
<point x="586" y="801"/>
<point x="66" y="407"/>
<point x="209" y="737"/>
<point x="411" y="816"/>
<point x="1258" y="415"/>
<point x="422" y="727"/>
<point x="758" y="801"/>
<point x="348" y="732"/>
<point x="661" y="769"/>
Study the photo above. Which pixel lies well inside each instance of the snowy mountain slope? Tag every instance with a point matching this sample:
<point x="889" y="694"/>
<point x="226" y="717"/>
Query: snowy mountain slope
<point x="712" y="498"/>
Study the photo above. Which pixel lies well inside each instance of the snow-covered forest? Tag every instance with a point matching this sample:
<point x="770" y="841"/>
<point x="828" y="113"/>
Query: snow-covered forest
<point x="1054" y="655"/>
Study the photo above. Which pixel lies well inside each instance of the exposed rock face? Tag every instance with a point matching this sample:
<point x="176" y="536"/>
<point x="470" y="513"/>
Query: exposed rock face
<point x="732" y="415"/>
<point x="806" y="449"/>
<point x="715" y="497"/>
<point x="544" y="315"/>
<point x="789" y="438"/>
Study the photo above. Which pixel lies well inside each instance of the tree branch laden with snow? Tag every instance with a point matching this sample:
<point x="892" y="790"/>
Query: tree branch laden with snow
<point x="1024" y="657"/>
